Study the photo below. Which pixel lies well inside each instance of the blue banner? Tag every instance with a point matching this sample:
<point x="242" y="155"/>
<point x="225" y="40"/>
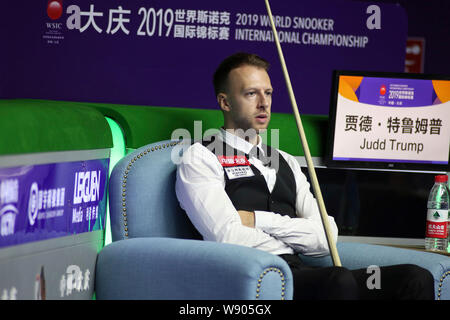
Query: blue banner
<point x="39" y="202"/>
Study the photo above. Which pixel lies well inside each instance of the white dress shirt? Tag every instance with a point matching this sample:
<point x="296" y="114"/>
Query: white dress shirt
<point x="200" y="188"/>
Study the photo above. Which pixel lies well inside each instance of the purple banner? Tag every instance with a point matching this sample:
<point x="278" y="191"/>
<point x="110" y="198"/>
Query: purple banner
<point x="397" y="92"/>
<point x="163" y="53"/>
<point x="39" y="202"/>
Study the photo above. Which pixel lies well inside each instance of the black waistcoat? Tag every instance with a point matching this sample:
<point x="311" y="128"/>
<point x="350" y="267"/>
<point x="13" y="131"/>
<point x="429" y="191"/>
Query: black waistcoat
<point x="252" y="193"/>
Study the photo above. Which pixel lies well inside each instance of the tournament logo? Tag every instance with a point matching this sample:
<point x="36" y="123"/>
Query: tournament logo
<point x="382" y="97"/>
<point x="53" y="28"/>
<point x="54" y="9"/>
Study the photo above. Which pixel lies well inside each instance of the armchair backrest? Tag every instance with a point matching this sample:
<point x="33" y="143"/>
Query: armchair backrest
<point x="142" y="195"/>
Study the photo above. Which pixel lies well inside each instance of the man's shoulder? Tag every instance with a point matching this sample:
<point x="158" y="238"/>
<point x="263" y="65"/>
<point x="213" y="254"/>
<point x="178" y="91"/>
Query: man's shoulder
<point x="194" y="147"/>
<point x="196" y="152"/>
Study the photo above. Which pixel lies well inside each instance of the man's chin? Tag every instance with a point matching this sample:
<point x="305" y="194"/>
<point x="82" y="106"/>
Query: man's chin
<point x="261" y="128"/>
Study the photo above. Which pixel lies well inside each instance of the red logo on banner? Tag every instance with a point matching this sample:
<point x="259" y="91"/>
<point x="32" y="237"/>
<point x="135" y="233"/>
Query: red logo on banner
<point x="54" y="9"/>
<point x="383" y="90"/>
<point x="231" y="161"/>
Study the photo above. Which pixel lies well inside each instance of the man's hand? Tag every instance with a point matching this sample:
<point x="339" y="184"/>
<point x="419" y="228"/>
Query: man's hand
<point x="247" y="218"/>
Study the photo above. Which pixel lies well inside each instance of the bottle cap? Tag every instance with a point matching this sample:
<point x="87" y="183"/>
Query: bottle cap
<point x="441" y="178"/>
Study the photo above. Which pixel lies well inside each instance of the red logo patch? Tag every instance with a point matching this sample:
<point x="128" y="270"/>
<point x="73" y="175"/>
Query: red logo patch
<point x="231" y="161"/>
<point x="54" y="9"/>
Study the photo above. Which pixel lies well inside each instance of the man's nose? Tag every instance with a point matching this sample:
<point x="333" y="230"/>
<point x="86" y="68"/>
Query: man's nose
<point x="263" y="101"/>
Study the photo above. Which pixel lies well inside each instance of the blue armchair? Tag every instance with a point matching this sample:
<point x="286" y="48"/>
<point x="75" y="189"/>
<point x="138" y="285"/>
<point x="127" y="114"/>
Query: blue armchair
<point x="157" y="254"/>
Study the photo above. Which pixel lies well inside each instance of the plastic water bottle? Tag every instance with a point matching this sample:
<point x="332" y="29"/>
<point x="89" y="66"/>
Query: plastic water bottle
<point x="448" y="237"/>
<point x="436" y="235"/>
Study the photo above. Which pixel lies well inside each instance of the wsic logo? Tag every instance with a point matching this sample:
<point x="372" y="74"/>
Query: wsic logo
<point x="54" y="12"/>
<point x="54" y="9"/>
<point x="53" y="33"/>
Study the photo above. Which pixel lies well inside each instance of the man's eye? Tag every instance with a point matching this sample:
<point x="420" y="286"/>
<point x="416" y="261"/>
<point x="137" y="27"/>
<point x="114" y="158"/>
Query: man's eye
<point x="251" y="93"/>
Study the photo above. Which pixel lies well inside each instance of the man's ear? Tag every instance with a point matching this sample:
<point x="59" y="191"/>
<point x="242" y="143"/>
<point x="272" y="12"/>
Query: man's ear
<point x="223" y="102"/>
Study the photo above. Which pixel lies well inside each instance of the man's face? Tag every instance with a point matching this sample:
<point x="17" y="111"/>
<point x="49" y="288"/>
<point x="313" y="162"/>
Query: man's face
<point x="248" y="99"/>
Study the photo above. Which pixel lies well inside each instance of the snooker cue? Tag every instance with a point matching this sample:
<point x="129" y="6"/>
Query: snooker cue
<point x="311" y="170"/>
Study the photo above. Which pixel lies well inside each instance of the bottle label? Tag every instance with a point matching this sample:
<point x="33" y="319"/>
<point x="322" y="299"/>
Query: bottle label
<point x="437" y="223"/>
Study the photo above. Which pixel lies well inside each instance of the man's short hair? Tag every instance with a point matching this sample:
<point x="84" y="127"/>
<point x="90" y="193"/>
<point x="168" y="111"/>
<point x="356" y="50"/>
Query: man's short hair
<point x="232" y="62"/>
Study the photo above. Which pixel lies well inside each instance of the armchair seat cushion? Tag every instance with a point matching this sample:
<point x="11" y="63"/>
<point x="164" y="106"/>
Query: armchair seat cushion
<point x="165" y="268"/>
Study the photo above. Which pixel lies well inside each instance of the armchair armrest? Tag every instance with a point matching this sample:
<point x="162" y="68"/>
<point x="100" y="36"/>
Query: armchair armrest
<point x="167" y="268"/>
<point x="359" y="255"/>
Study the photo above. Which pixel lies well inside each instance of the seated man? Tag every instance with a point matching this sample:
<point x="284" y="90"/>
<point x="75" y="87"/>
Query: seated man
<point x="237" y="190"/>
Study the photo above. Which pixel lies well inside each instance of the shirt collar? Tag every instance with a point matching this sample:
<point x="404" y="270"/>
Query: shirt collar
<point x="239" y="143"/>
